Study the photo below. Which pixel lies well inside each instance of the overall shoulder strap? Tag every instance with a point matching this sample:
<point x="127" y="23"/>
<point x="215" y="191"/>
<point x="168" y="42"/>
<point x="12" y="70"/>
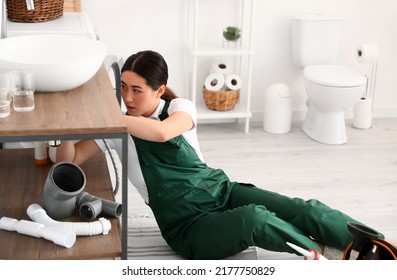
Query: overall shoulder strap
<point x="164" y="113"/>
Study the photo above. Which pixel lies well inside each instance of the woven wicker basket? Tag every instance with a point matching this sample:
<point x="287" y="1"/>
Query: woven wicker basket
<point x="44" y="10"/>
<point x="221" y="100"/>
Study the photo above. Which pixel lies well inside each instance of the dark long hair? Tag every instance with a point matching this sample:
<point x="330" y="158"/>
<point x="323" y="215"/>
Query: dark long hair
<point x="151" y="66"/>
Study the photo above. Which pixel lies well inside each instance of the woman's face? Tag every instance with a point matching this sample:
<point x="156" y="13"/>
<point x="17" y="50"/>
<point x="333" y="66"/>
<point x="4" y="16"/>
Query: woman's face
<point x="139" y="98"/>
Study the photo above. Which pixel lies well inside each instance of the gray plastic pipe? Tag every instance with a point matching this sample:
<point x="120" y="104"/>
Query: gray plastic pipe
<point x="39" y="215"/>
<point x="60" y="237"/>
<point x="64" y="182"/>
<point x="91" y="206"/>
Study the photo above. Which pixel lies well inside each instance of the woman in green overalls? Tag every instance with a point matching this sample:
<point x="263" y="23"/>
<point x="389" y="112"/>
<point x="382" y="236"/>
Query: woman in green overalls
<point x="200" y="212"/>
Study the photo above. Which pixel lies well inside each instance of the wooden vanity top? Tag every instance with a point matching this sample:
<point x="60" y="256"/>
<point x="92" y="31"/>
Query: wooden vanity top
<point x="89" y="109"/>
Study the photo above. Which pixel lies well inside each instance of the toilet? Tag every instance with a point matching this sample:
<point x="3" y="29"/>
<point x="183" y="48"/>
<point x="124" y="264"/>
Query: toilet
<point x="331" y="88"/>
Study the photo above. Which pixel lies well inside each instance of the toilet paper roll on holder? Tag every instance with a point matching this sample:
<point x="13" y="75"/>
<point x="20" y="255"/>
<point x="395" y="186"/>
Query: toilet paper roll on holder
<point x="366" y="53"/>
<point x="369" y="53"/>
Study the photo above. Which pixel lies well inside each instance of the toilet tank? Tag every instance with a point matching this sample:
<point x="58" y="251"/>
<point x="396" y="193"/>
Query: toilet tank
<point x="315" y="39"/>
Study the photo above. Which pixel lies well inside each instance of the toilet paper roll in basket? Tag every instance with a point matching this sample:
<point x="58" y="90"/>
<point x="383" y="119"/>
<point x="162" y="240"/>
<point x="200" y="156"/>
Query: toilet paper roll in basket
<point x="233" y="82"/>
<point x="214" y="81"/>
<point x="367" y="53"/>
<point x="221" y="66"/>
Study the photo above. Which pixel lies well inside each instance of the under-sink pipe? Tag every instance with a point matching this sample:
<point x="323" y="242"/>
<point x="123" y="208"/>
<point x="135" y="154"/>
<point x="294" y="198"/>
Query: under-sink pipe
<point x="39" y="215"/>
<point x="60" y="237"/>
<point x="54" y="143"/>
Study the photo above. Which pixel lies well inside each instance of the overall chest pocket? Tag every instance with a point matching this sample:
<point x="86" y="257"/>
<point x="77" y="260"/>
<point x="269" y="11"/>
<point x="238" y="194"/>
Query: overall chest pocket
<point x="162" y="153"/>
<point x="175" y="152"/>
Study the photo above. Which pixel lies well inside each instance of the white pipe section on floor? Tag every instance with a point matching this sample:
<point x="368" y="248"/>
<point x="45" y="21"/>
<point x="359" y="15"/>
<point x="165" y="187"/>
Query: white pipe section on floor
<point x="60" y="237"/>
<point x="39" y="215"/>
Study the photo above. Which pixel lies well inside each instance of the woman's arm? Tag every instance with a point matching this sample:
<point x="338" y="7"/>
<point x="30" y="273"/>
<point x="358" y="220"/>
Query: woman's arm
<point x="77" y="153"/>
<point x="154" y="130"/>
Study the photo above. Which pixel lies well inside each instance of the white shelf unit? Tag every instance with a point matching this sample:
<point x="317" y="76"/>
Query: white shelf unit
<point x="241" y="54"/>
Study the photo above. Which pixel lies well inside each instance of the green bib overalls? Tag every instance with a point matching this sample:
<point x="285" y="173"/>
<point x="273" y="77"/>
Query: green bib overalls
<point x="203" y="215"/>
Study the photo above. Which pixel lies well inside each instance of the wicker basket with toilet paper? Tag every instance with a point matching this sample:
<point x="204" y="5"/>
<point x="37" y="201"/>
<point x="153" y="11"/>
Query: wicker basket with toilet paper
<point x="34" y="10"/>
<point x="221" y="90"/>
<point x="221" y="100"/>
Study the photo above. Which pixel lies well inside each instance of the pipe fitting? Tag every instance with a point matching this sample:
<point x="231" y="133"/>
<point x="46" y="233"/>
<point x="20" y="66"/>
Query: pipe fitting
<point x="65" y="238"/>
<point x="64" y="182"/>
<point x="91" y="206"/>
<point x="37" y="214"/>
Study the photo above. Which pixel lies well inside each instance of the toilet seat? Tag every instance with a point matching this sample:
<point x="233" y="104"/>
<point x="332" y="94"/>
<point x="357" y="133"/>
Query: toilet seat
<point x="333" y="76"/>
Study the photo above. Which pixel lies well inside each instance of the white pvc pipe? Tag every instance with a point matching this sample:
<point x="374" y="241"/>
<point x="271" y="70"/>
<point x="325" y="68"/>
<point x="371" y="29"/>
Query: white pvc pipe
<point x="38" y="214"/>
<point x="60" y="237"/>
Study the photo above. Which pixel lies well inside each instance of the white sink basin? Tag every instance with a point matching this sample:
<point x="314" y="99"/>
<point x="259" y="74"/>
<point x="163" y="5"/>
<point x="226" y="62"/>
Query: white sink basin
<point x="59" y="62"/>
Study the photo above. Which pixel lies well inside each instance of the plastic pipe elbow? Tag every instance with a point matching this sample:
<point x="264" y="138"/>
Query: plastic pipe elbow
<point x="39" y="215"/>
<point x="59" y="237"/>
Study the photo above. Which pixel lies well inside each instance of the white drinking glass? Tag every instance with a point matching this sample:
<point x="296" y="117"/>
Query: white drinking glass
<point x="5" y="93"/>
<point x="23" y="92"/>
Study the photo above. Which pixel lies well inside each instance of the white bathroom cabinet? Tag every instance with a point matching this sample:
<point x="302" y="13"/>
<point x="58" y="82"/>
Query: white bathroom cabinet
<point x="240" y="55"/>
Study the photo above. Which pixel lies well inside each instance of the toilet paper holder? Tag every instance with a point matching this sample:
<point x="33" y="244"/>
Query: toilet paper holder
<point x="363" y="110"/>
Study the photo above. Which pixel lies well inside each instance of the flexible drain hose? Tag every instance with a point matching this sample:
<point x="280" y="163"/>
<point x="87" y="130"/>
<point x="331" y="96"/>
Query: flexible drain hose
<point x="38" y="215"/>
<point x="60" y="237"/>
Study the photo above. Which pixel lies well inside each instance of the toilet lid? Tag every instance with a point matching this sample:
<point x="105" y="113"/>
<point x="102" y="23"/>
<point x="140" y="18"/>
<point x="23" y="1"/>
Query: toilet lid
<point x="333" y="75"/>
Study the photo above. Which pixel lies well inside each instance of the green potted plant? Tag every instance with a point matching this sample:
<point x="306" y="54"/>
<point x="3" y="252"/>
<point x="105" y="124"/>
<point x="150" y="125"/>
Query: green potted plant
<point x="232" y="33"/>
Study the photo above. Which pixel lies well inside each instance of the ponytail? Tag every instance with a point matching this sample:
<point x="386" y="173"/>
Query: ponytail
<point x="168" y="95"/>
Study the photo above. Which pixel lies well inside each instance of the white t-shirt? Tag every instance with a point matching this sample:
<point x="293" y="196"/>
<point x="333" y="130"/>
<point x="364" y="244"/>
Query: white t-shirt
<point x="134" y="170"/>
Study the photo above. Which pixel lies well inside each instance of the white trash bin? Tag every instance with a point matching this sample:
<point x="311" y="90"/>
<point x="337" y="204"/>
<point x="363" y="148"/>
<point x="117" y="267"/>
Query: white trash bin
<point x="277" y="117"/>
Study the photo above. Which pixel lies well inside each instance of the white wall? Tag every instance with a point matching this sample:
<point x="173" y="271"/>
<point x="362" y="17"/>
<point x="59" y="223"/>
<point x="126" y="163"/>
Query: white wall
<point x="127" y="26"/>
